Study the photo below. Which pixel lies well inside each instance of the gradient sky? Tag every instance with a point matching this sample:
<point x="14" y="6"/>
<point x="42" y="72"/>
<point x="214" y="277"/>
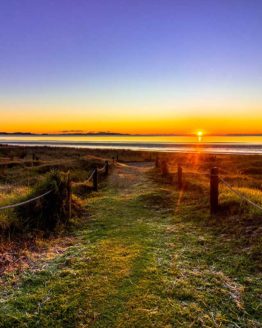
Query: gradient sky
<point x="137" y="66"/>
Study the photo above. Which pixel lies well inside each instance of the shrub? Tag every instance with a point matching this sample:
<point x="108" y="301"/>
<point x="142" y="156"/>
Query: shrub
<point x="45" y="213"/>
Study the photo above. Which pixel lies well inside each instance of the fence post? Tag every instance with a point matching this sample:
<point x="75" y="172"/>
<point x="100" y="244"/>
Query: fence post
<point x="164" y="168"/>
<point x="3" y="169"/>
<point x="113" y="159"/>
<point x="179" y="176"/>
<point x="69" y="196"/>
<point x="214" y="190"/>
<point x="157" y="162"/>
<point x="95" y="178"/>
<point x="117" y="158"/>
<point x="106" y="168"/>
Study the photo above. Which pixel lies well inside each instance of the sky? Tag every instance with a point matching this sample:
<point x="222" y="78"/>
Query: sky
<point x="151" y="66"/>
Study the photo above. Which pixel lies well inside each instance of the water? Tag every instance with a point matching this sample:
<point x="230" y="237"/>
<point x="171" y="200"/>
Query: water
<point x="209" y="144"/>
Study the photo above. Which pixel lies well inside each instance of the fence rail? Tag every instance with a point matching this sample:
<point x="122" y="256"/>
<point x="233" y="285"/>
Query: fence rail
<point x="93" y="175"/>
<point x="26" y="202"/>
<point x="239" y="194"/>
<point x="214" y="177"/>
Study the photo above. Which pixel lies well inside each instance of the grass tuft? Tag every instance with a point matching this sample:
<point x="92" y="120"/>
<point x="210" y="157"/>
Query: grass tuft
<point x="49" y="211"/>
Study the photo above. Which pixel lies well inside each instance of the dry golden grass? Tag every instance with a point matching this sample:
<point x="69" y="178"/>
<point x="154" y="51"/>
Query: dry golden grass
<point x="147" y="254"/>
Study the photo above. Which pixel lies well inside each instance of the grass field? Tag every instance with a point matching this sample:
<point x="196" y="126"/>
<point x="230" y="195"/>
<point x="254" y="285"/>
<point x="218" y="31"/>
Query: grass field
<point x="143" y="253"/>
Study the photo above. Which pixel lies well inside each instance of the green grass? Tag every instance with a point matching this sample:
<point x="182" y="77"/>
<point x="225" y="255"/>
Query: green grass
<point x="20" y="177"/>
<point x="9" y="194"/>
<point x="148" y="256"/>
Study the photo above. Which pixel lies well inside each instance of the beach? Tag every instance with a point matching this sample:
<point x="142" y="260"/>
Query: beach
<point x="207" y="144"/>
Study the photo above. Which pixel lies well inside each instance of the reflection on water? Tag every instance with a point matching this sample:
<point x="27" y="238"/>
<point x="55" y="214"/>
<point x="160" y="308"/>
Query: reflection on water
<point x="213" y="144"/>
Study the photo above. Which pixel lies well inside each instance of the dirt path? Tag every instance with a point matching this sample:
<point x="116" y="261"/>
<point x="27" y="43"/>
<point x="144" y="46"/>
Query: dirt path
<point x="137" y="263"/>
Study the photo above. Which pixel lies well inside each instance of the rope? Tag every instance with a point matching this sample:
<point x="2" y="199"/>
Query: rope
<point x="240" y="194"/>
<point x="230" y="187"/>
<point x="26" y="202"/>
<point x="102" y="169"/>
<point x="91" y="176"/>
<point x="197" y="173"/>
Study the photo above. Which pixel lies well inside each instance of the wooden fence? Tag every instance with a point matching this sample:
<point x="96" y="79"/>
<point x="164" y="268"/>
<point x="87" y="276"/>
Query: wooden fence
<point x="214" y="180"/>
<point x="93" y="176"/>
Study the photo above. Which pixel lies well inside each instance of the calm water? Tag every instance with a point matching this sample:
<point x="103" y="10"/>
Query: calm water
<point x="210" y="144"/>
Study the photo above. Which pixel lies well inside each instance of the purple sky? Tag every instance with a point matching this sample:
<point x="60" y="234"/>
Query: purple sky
<point x="146" y="55"/>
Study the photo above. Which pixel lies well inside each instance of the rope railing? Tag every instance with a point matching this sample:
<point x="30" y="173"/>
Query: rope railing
<point x="95" y="173"/>
<point x="194" y="173"/>
<point x="242" y="196"/>
<point x="25" y="202"/>
<point x="94" y="176"/>
<point x="215" y="178"/>
<point x="67" y="196"/>
<point x="91" y="176"/>
<point x="102" y="168"/>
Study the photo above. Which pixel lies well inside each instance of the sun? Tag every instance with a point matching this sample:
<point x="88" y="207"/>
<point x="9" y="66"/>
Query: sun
<point x="199" y="135"/>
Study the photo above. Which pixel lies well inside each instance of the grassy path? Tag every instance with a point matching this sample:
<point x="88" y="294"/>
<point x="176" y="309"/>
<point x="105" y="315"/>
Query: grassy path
<point x="137" y="263"/>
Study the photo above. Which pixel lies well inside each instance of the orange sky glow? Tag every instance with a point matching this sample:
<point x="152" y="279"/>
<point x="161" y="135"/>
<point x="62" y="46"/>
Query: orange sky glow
<point x="142" y="125"/>
<point x="142" y="67"/>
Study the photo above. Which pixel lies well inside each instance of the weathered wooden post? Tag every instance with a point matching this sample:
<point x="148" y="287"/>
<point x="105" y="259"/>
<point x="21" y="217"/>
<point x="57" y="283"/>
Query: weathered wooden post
<point x="106" y="168"/>
<point x="179" y="176"/>
<point x="69" y="196"/>
<point x="117" y="158"/>
<point x="113" y="159"/>
<point x="164" y="168"/>
<point x="157" y="162"/>
<point x="5" y="169"/>
<point x="95" y="180"/>
<point x="214" y="190"/>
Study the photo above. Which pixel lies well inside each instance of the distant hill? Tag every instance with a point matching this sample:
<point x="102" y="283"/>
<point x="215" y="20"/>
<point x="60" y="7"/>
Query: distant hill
<point x="108" y="133"/>
<point x="65" y="134"/>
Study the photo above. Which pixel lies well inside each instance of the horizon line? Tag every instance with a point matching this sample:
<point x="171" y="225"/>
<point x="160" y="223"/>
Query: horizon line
<point x="108" y="133"/>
